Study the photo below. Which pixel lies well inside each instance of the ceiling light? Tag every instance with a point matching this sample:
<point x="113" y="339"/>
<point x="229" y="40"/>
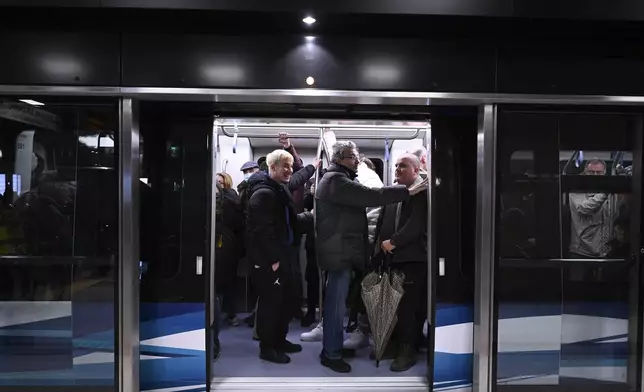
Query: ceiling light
<point x="32" y="102"/>
<point x="309" y="38"/>
<point x="310" y="81"/>
<point x="309" y="20"/>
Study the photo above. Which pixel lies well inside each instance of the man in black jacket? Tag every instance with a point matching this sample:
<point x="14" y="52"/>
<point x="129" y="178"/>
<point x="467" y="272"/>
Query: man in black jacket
<point x="342" y="239"/>
<point x="271" y="227"/>
<point x="403" y="234"/>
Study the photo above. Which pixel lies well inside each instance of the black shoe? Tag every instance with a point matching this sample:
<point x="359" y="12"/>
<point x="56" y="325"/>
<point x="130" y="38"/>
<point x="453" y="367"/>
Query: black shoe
<point x="308" y="319"/>
<point x="405" y="360"/>
<point x="274" y="356"/>
<point x="337" y="365"/>
<point x="390" y="352"/>
<point x="291" y="348"/>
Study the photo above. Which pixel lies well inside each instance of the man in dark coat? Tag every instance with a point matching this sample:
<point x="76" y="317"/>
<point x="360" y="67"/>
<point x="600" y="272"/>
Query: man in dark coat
<point x="271" y="228"/>
<point x="342" y="239"/>
<point x="403" y="235"/>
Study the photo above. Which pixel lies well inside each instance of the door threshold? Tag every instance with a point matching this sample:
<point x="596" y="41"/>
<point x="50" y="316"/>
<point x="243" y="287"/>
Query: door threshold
<point x="389" y="384"/>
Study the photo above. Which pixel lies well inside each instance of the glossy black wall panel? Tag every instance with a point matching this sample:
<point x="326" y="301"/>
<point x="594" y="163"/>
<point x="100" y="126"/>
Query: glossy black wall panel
<point x="580" y="9"/>
<point x="57" y="58"/>
<point x="571" y="67"/>
<point x="286" y="61"/>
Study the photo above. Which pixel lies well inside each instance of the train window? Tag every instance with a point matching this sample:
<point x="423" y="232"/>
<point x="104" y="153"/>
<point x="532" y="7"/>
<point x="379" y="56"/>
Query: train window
<point x="565" y="202"/>
<point x="59" y="241"/>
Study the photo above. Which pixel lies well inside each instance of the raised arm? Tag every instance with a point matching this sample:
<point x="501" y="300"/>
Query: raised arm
<point x="297" y="161"/>
<point x="346" y="192"/>
<point x="587" y="206"/>
<point x="300" y="177"/>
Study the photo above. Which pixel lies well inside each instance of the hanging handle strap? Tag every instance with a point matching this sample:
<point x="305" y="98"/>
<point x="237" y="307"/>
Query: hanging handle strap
<point x="235" y="140"/>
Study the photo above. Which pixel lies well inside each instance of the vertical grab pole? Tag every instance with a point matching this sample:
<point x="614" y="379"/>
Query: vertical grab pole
<point x="317" y="180"/>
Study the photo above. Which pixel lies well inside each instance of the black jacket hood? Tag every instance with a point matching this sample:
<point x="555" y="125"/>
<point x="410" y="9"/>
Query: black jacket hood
<point x="261" y="180"/>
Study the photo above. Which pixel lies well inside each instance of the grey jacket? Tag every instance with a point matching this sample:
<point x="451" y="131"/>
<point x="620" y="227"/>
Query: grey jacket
<point x="592" y="217"/>
<point x="340" y="218"/>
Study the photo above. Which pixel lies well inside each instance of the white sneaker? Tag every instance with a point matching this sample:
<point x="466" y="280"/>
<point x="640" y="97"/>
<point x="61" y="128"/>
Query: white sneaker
<point x="356" y="340"/>
<point x="314" y="336"/>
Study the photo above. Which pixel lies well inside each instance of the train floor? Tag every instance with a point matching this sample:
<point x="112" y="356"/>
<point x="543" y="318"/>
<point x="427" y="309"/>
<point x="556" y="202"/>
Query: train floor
<point x="240" y="358"/>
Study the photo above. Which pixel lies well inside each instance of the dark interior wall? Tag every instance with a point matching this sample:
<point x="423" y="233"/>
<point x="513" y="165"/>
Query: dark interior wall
<point x="348" y="52"/>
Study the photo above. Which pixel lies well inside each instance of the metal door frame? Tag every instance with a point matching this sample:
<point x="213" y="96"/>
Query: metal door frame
<point x="128" y="323"/>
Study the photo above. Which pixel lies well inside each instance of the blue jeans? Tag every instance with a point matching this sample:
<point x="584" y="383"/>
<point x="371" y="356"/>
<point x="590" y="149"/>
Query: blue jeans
<point x="335" y="307"/>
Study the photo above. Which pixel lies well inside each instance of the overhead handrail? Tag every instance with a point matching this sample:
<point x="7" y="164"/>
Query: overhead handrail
<point x="321" y="125"/>
<point x="264" y="135"/>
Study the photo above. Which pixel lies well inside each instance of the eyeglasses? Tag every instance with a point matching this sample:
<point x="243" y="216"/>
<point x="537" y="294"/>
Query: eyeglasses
<point x="352" y="157"/>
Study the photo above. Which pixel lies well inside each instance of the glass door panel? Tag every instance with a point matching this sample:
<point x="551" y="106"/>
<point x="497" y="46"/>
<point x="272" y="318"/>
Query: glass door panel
<point x="566" y="253"/>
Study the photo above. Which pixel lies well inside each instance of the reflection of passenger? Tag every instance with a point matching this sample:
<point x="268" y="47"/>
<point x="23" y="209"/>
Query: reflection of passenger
<point x="592" y="216"/>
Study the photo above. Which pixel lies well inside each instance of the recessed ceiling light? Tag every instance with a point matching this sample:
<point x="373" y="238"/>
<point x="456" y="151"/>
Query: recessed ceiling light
<point x="32" y="102"/>
<point x="309" y="20"/>
<point x="309" y="38"/>
<point x="310" y="81"/>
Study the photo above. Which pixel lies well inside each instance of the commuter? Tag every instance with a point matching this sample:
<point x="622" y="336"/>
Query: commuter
<point x="592" y="217"/>
<point x="421" y="154"/>
<point x="358" y="321"/>
<point x="248" y="169"/>
<point x="403" y="234"/>
<point x="311" y="273"/>
<point x="342" y="239"/>
<point x="271" y="227"/>
<point x="229" y="235"/>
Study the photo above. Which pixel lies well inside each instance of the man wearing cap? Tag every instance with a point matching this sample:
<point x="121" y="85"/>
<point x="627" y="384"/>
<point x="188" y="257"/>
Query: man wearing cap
<point x="248" y="169"/>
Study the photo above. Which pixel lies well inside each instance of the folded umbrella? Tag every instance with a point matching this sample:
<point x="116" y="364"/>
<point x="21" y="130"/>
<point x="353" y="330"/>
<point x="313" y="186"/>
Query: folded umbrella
<point x="381" y="293"/>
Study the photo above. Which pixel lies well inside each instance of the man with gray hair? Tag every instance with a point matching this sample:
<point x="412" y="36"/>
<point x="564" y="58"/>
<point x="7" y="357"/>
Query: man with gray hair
<point x="342" y="239"/>
<point x="421" y="153"/>
<point x="592" y="216"/>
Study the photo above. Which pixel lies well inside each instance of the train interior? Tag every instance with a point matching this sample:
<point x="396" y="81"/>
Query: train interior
<point x="174" y="227"/>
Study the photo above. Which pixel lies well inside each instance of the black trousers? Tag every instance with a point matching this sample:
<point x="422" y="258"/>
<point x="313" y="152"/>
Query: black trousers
<point x="275" y="306"/>
<point x="312" y="275"/>
<point x="412" y="309"/>
<point x="297" y="286"/>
